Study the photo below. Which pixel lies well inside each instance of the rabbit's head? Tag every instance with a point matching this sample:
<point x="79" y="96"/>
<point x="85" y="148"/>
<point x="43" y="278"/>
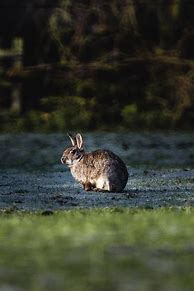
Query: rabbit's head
<point x="73" y="154"/>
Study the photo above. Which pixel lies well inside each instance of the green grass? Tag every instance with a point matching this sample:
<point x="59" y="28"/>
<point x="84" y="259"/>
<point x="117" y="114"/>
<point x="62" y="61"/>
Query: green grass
<point x="107" y="249"/>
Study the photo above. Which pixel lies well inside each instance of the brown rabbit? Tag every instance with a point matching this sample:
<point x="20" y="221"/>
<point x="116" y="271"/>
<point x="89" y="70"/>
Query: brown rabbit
<point x="100" y="170"/>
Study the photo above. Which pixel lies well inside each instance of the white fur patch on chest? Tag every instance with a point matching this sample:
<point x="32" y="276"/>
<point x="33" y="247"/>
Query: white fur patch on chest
<point x="78" y="175"/>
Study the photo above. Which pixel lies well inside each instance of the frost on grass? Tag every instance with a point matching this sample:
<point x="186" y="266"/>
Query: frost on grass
<point x="160" y="171"/>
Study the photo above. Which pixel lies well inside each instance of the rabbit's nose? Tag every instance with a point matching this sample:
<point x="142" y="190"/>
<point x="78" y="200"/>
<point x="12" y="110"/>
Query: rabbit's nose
<point x="62" y="160"/>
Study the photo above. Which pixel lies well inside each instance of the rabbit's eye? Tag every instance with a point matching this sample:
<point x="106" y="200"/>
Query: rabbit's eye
<point x="73" y="151"/>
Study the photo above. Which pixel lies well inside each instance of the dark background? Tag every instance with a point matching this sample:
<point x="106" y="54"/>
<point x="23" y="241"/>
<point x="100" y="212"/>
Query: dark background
<point x="105" y="65"/>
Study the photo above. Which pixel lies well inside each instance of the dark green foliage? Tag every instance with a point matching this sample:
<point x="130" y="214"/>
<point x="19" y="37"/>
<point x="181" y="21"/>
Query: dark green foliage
<point x="108" y="64"/>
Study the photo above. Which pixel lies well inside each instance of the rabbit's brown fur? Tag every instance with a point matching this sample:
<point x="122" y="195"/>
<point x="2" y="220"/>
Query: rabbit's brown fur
<point x="100" y="170"/>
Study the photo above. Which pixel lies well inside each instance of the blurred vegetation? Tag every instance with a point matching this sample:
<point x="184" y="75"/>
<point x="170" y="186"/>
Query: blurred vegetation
<point x="101" y="249"/>
<point x="89" y="65"/>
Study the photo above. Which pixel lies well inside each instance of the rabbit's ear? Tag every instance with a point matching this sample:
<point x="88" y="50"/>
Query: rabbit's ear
<point x="73" y="139"/>
<point x="79" y="140"/>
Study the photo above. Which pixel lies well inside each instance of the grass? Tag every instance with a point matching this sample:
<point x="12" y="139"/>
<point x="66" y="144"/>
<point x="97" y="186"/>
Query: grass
<point x="101" y="249"/>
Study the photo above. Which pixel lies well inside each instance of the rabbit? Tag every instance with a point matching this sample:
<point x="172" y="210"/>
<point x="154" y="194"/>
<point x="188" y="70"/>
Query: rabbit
<point x="100" y="170"/>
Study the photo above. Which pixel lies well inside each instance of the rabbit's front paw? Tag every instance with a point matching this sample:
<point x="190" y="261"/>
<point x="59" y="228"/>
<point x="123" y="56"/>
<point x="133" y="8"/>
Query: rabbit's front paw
<point x="87" y="186"/>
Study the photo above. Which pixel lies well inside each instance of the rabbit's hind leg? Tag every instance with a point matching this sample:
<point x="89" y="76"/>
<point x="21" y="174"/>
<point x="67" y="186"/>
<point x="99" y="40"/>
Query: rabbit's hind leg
<point x="102" y="184"/>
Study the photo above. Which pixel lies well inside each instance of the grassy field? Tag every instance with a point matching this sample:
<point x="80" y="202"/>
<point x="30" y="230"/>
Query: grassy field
<point x="99" y="249"/>
<point x="55" y="236"/>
